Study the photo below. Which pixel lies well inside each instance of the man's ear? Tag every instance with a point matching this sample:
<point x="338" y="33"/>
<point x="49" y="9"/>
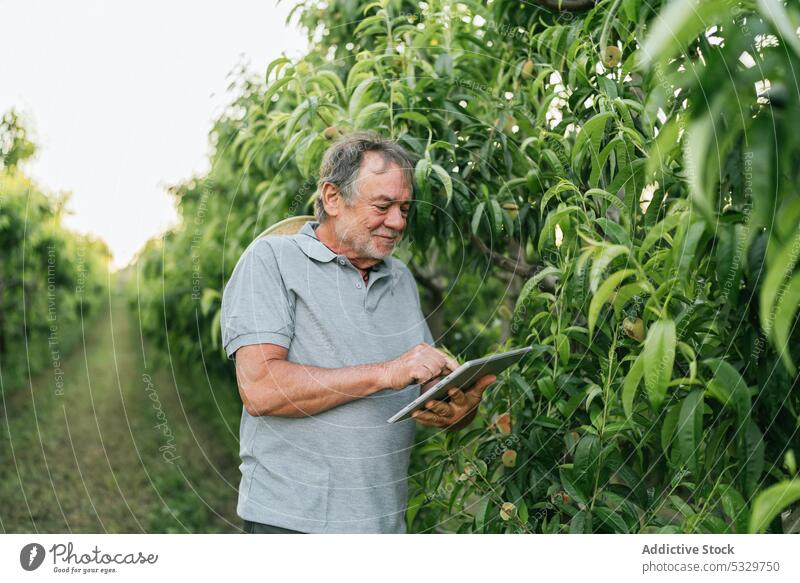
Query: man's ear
<point x="331" y="199"/>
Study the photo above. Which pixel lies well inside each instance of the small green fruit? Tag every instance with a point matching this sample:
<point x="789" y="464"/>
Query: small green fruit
<point x="634" y="328"/>
<point x="508" y="511"/>
<point x="331" y="133"/>
<point x="512" y="208"/>
<point x="611" y="56"/>
<point x="503" y="423"/>
<point x="527" y="70"/>
<point x="509" y="458"/>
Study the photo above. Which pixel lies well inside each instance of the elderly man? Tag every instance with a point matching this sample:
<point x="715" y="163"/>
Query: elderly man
<point x="329" y="341"/>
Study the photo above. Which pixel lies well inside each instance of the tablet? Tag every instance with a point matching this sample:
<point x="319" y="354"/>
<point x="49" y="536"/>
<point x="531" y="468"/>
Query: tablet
<point x="464" y="376"/>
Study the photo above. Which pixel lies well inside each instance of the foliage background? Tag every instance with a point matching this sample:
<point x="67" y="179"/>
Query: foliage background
<point x="614" y="185"/>
<point x="51" y="279"/>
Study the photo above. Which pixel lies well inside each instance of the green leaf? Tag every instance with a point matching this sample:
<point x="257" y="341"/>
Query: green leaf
<point x="686" y="247"/>
<point x="276" y="65"/>
<point x="604" y="293"/>
<point x="447" y="182"/>
<point x="208" y="298"/>
<point x="215" y="329"/>
<point x="779" y="271"/>
<point x="775" y="12"/>
<point x="532" y="285"/>
<point x="728" y="386"/>
<point x="630" y="385"/>
<point x="577" y="525"/>
<point x="587" y="453"/>
<point x="763" y="157"/>
<point x="613" y="232"/>
<point x="414" y="116"/>
<point x="414" y="506"/>
<point x="359" y="96"/>
<point x="690" y="429"/>
<point x="554" y="218"/>
<point x="628" y="292"/>
<point x="663" y="147"/>
<point x="421" y="172"/>
<point x="365" y="115"/>
<point x="591" y="135"/>
<point x="481" y="509"/>
<point x="659" y="357"/>
<point x="274" y="88"/>
<point x="785" y="313"/>
<point x="291" y="145"/>
<point x="497" y="215"/>
<point x="611" y="199"/>
<point x="613" y="520"/>
<point x="570" y="485"/>
<point x="332" y="81"/>
<point x="476" y="217"/>
<point x="658" y="231"/>
<point x="696" y="155"/>
<point x="562" y="347"/>
<point x="771" y="502"/>
<point x="668" y="428"/>
<point x="751" y="455"/>
<point x="676" y="26"/>
<point x="734" y="506"/>
<point x="602" y="261"/>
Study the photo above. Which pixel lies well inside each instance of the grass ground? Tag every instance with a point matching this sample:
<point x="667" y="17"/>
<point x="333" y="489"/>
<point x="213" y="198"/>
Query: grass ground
<point x="119" y="451"/>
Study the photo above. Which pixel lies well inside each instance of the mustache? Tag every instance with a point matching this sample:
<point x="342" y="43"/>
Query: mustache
<point x="395" y="234"/>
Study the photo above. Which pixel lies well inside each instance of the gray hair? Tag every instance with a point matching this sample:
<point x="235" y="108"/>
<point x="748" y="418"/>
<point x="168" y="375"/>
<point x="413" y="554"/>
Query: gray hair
<point x="342" y="162"/>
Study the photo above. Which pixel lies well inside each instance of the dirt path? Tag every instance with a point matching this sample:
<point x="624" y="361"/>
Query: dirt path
<point x="115" y="450"/>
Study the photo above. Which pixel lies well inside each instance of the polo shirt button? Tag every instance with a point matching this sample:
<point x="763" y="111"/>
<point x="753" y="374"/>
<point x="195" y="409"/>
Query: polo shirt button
<point x="341" y="261"/>
<point x="358" y="285"/>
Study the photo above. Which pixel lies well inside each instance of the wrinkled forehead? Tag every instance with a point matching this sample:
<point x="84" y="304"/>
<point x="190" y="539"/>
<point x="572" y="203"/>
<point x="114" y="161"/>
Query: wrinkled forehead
<point x="381" y="179"/>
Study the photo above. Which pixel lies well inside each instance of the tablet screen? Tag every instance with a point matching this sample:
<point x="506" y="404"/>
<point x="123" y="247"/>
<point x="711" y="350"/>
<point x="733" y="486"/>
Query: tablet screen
<point x="463" y="377"/>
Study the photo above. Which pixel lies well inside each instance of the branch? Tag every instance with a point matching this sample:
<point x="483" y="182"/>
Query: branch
<point x="427" y="281"/>
<point x="570" y="5"/>
<point x="518" y="267"/>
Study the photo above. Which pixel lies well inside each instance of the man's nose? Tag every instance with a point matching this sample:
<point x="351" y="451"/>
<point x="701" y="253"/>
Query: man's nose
<point x="395" y="219"/>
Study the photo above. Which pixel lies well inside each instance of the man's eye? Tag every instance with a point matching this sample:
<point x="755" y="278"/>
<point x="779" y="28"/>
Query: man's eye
<point x="382" y="208"/>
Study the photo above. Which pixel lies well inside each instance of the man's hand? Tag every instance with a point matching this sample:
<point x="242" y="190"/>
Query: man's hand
<point x="418" y="365"/>
<point x="459" y="411"/>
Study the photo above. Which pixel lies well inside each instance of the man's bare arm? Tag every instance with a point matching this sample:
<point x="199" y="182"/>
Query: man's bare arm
<point x="270" y="385"/>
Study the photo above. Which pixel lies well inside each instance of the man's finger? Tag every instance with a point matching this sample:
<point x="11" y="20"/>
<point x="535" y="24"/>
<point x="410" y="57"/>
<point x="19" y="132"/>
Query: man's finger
<point x="430" y="383"/>
<point x="457" y="397"/>
<point x="431" y="373"/>
<point x="439" y="408"/>
<point x="479" y="387"/>
<point x="483" y="383"/>
<point x="428" y="418"/>
<point x="450" y="362"/>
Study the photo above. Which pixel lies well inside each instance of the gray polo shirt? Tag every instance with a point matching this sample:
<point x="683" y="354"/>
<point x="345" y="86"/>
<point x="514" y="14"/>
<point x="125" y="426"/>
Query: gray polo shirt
<point x="346" y="469"/>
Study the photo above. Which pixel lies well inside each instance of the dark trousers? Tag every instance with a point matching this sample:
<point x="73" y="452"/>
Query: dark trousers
<point x="258" y="528"/>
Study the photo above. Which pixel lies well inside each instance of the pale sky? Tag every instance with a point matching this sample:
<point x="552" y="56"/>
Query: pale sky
<point x="120" y="97"/>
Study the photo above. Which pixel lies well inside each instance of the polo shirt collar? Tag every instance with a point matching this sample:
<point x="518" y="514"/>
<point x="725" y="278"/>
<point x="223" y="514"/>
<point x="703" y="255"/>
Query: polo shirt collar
<point x="311" y="245"/>
<point x="316" y="249"/>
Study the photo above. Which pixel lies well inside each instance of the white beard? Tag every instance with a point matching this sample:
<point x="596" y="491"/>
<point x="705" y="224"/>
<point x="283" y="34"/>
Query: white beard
<point x="362" y="248"/>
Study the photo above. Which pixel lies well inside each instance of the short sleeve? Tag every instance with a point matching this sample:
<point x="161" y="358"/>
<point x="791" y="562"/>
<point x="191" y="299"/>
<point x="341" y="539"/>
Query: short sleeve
<point x="256" y="307"/>
<point x="428" y="335"/>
